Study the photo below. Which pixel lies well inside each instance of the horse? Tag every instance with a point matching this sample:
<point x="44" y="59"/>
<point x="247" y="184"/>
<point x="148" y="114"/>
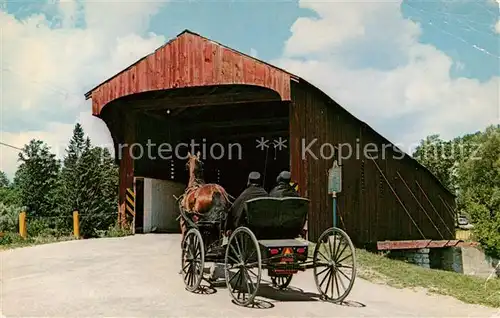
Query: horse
<point x="200" y="198"/>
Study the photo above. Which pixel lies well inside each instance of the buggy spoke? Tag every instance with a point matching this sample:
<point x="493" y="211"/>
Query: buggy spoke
<point x="340" y="254"/>
<point x="327" y="275"/>
<point x="326" y="258"/>
<point x="249" y="270"/>
<point x="250" y="256"/>
<point x="336" y="285"/>
<point x="233" y="259"/>
<point x="334" y="282"/>
<point x="334" y="241"/>
<point x="330" y="248"/>
<point x="240" y="254"/>
<point x="327" y="268"/>
<point x="236" y="253"/>
<point x="341" y="282"/>
<point x="231" y="279"/>
<point x="344" y="258"/>
<point x="341" y="272"/>
<point x="247" y="279"/>
<point x="330" y="276"/>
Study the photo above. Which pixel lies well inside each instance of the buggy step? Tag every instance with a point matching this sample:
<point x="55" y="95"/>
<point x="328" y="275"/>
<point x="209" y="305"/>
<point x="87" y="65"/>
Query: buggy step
<point x="283" y="243"/>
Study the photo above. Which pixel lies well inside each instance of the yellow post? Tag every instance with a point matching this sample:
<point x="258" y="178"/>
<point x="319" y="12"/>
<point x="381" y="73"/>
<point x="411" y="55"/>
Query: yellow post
<point x="76" y="224"/>
<point x="22" y="225"/>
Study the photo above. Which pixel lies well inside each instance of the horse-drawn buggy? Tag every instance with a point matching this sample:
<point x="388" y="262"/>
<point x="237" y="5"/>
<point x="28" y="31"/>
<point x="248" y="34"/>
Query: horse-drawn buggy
<point x="268" y="241"/>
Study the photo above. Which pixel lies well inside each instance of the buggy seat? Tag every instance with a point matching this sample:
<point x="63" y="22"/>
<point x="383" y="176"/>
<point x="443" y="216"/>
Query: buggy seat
<point x="271" y="218"/>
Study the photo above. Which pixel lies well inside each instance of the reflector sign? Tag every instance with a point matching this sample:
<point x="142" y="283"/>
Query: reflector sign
<point x="287" y="251"/>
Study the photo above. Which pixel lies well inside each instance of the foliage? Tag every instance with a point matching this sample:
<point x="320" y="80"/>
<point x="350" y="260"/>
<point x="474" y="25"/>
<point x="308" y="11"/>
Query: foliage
<point x="4" y="181"/>
<point x="9" y="218"/>
<point x="480" y="190"/>
<point x="13" y="240"/>
<point x="469" y="166"/>
<point x="36" y="178"/>
<point x="71" y="181"/>
<point x="88" y="183"/>
<point x="115" y="231"/>
<point x="9" y="196"/>
<point x="98" y="204"/>
<point x="50" y="190"/>
<point x="443" y="158"/>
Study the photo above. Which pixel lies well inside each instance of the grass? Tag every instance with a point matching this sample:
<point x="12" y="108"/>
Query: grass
<point x="469" y="289"/>
<point x="14" y="240"/>
<point x="10" y="240"/>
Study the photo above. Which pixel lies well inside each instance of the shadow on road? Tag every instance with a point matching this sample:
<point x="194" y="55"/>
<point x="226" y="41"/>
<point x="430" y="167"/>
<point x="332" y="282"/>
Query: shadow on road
<point x="272" y="294"/>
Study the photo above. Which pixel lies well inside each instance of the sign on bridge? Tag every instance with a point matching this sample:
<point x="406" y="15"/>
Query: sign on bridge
<point x="335" y="178"/>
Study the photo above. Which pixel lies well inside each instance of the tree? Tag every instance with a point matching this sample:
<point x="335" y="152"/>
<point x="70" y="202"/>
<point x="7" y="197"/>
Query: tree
<point x="89" y="182"/>
<point x="8" y="194"/>
<point x="479" y="179"/>
<point x="70" y="186"/>
<point x="36" y="178"/>
<point x="443" y="158"/>
<point x="77" y="146"/>
<point x="438" y="156"/>
<point x="99" y="202"/>
<point x="4" y="181"/>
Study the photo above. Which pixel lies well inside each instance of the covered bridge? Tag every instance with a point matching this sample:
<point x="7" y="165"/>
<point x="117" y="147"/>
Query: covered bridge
<point x="194" y="89"/>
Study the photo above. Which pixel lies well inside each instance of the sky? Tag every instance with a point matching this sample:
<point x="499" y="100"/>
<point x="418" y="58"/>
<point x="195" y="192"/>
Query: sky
<point x="407" y="68"/>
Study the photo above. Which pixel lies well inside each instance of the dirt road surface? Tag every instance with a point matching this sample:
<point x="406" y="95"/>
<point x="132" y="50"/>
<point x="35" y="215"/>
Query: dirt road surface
<point x="137" y="276"/>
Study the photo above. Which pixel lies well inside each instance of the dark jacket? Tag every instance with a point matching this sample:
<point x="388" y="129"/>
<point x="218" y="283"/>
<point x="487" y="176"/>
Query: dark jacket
<point x="236" y="215"/>
<point x="283" y="190"/>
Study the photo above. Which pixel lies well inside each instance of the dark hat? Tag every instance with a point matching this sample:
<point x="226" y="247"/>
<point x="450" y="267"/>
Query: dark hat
<point x="254" y="177"/>
<point x="284" y="176"/>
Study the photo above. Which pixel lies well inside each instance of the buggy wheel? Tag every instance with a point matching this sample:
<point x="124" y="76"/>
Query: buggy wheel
<point x="243" y="266"/>
<point x="281" y="282"/>
<point x="193" y="259"/>
<point x="334" y="262"/>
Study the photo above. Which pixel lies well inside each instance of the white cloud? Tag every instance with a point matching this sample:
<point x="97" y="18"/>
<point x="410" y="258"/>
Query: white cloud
<point x="497" y="26"/>
<point x="56" y="135"/>
<point x="48" y="65"/>
<point x="367" y="57"/>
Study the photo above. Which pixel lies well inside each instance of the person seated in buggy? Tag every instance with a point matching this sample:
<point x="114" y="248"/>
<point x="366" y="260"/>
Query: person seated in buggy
<point x="236" y="214"/>
<point x="283" y="188"/>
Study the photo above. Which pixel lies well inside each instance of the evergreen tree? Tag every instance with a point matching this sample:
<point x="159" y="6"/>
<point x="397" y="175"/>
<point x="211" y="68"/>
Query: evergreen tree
<point x="4" y="181"/>
<point x="76" y="146"/>
<point x="37" y="177"/>
<point x="89" y="182"/>
<point x="8" y="194"/>
<point x="99" y="196"/>
<point x="69" y="194"/>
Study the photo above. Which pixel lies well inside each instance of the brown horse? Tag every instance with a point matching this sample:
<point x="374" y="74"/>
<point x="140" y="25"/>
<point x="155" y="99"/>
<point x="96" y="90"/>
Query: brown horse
<point x="200" y="198"/>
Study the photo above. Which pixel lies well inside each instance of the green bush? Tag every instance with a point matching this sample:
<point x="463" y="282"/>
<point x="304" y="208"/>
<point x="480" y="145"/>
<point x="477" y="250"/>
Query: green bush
<point x="47" y="227"/>
<point x="9" y="218"/>
<point x="10" y="238"/>
<point x="115" y="231"/>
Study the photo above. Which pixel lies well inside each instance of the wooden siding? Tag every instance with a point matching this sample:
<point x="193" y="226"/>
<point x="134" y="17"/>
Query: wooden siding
<point x="188" y="61"/>
<point x="381" y="197"/>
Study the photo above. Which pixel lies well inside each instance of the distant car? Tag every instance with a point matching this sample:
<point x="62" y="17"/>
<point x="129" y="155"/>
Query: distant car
<point x="462" y="220"/>
<point x="463" y="223"/>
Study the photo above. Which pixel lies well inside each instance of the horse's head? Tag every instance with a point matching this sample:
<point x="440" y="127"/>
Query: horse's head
<point x="194" y="164"/>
